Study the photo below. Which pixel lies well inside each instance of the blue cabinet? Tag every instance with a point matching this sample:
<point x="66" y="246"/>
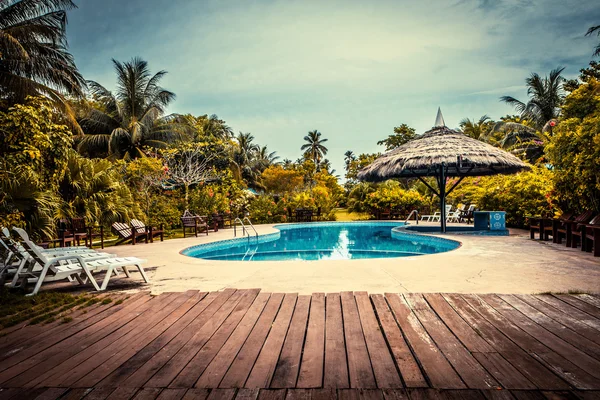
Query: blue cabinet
<point x="497" y="220"/>
<point x="481" y="220"/>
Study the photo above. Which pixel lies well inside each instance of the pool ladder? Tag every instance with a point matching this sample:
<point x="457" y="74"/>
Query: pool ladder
<point x="245" y="230"/>
<point x="416" y="212"/>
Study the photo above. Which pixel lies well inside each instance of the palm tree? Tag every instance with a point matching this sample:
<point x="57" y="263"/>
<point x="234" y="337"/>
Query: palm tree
<point x="476" y="129"/>
<point x="348" y="158"/>
<point x="595" y="29"/>
<point x="265" y="159"/>
<point x="545" y="97"/>
<point x="244" y="157"/>
<point x="34" y="60"/>
<point x="314" y="148"/>
<point x="133" y="118"/>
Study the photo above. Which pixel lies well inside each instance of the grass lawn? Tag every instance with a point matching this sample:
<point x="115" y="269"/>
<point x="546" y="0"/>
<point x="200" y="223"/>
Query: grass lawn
<point x="342" y="214"/>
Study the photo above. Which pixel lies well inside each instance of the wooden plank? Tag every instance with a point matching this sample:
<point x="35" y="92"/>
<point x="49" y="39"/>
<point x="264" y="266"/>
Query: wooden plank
<point x="336" y="367"/>
<point x="371" y="394"/>
<point x="467" y="366"/>
<point x="384" y="368"/>
<point x="359" y="364"/>
<point x="122" y="393"/>
<point x="264" y="367"/>
<point x="424" y="394"/>
<point x="436" y="366"/>
<point x="528" y="395"/>
<point x="311" y="366"/>
<point x="395" y="394"/>
<point x="147" y="394"/>
<point x="192" y="371"/>
<point x="298" y="394"/>
<point x="323" y="394"/>
<point x="588" y="395"/>
<point x="565" y="318"/>
<point x="577" y="302"/>
<point x="51" y="394"/>
<point x="125" y="370"/>
<point x="102" y="324"/>
<point x="409" y="369"/>
<point x="348" y="394"/>
<point x="590" y="299"/>
<point x="196" y="394"/>
<point x="530" y="367"/>
<point x="60" y="352"/>
<point x="238" y="373"/>
<point x="495" y="364"/>
<point x="246" y="394"/>
<point x="555" y="326"/>
<point x="560" y="395"/>
<point x="465" y="333"/>
<point x="100" y="393"/>
<point x="271" y="394"/>
<point x="215" y="371"/>
<point x="171" y="394"/>
<point x="288" y="365"/>
<point x="77" y="394"/>
<point x="572" y="311"/>
<point x="26" y="334"/>
<point x="509" y="376"/>
<point x="462" y="395"/>
<point x="558" y="364"/>
<point x="88" y="367"/>
<point x="221" y="394"/>
<point x="166" y="363"/>
<point x="133" y="343"/>
<point x="497" y="395"/>
<point x="558" y="345"/>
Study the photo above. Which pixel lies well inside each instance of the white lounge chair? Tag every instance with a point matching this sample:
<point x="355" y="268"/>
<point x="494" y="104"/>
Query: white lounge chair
<point x="73" y="266"/>
<point x="436" y="216"/>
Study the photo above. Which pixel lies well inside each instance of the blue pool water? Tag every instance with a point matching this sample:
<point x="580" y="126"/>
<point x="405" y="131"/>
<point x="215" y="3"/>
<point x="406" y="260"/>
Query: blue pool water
<point x="325" y="241"/>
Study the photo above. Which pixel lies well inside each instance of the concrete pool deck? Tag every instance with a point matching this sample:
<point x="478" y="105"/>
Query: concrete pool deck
<point x="483" y="264"/>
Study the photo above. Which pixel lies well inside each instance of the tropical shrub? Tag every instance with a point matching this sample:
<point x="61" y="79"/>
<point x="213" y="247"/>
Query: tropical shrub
<point x="264" y="210"/>
<point x="278" y="180"/>
<point x="521" y="195"/>
<point x="574" y="152"/>
<point x="166" y="209"/>
<point x="34" y="150"/>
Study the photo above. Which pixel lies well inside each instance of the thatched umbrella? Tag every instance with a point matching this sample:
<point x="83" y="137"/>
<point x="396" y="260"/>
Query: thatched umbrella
<point x="441" y="153"/>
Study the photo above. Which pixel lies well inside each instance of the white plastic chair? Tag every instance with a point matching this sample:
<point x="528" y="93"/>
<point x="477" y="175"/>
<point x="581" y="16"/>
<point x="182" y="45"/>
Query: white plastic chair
<point x="73" y="266"/>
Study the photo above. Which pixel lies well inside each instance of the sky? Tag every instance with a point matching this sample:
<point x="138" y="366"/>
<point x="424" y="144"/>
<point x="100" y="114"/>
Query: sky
<point x="353" y="70"/>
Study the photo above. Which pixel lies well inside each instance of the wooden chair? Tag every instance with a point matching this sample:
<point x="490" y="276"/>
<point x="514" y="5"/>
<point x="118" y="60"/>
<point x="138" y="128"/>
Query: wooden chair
<point x="125" y="232"/>
<point x="592" y="239"/>
<point x="579" y="233"/>
<point x="568" y="227"/>
<point x="150" y="231"/>
<point x="193" y="222"/>
<point x="80" y="231"/>
<point x="543" y="225"/>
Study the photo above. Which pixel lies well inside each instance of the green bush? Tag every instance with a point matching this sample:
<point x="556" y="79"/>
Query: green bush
<point x="521" y="195"/>
<point x="264" y="210"/>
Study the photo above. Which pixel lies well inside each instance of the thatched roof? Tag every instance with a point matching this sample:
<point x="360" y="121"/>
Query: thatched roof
<point x="463" y="156"/>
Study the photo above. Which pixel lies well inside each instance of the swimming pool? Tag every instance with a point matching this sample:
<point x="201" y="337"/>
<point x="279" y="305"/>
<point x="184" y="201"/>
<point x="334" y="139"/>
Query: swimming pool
<point x="325" y="241"/>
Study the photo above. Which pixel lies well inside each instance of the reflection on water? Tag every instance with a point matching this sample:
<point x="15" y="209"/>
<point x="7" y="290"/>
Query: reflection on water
<point x="332" y="242"/>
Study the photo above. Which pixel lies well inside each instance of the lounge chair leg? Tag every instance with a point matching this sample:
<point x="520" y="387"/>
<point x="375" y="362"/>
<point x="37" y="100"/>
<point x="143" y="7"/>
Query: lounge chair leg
<point x="106" y="278"/>
<point x="139" y="267"/>
<point x="126" y="271"/>
<point x="38" y="284"/>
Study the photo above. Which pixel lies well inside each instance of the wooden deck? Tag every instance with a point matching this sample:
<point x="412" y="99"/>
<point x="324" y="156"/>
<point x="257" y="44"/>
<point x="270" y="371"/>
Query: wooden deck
<point x="347" y="346"/>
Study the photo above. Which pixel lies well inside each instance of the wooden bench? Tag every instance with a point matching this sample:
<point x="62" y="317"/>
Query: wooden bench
<point x="126" y="232"/>
<point x="151" y="231"/>
<point x="193" y="222"/>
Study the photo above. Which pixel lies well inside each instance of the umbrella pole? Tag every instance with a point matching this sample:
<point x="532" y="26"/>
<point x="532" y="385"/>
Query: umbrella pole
<point x="442" y="186"/>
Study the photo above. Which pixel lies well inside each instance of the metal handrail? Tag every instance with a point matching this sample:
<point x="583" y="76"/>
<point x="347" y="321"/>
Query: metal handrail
<point x="252" y="226"/>
<point x="410" y="215"/>
<point x="235" y="225"/>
